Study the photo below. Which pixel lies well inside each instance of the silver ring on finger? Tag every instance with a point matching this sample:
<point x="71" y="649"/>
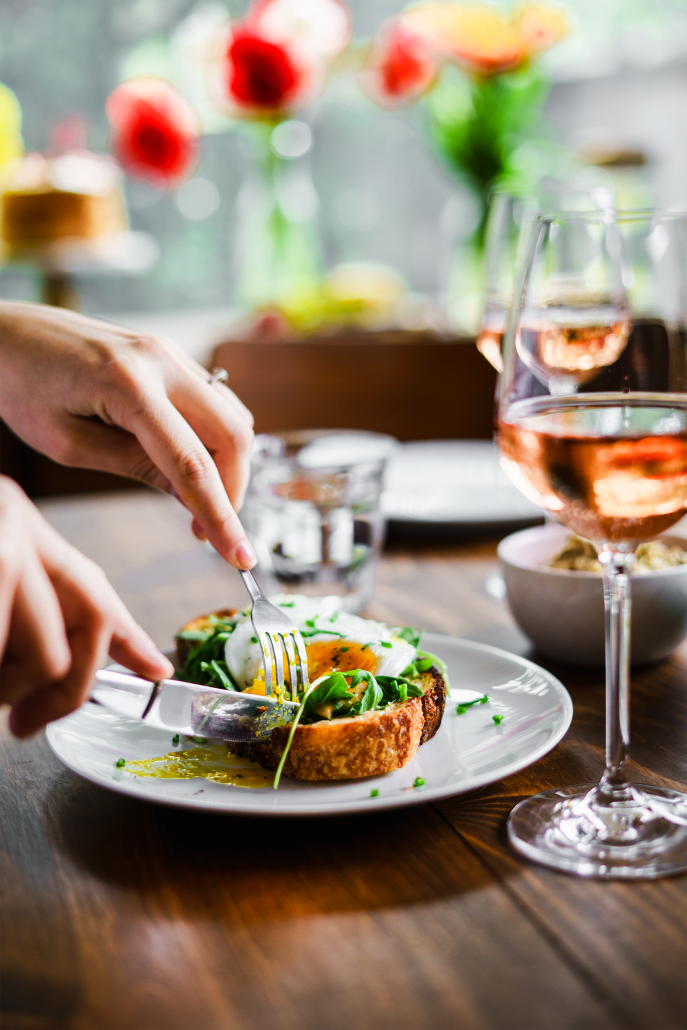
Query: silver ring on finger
<point x="218" y="375"/>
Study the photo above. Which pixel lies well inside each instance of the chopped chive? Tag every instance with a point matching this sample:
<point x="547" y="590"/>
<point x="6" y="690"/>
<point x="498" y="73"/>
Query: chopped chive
<point x="464" y="705"/>
<point x="418" y="782"/>
<point x="342" y="649"/>
<point x="498" y="719"/>
<point x="385" y="644"/>
<point x="199" y="740"/>
<point x="424" y="664"/>
<point x="120" y="762"/>
<point x="254" y="640"/>
<point x="374" y="793"/>
<point x="175" y="739"/>
<point x="287" y="604"/>
<point x="334" y="617"/>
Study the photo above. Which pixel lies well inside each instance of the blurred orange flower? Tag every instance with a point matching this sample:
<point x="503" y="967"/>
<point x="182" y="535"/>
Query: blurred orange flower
<point x="539" y="27"/>
<point x="155" y="131"/>
<point x="400" y="66"/>
<point x="482" y="39"/>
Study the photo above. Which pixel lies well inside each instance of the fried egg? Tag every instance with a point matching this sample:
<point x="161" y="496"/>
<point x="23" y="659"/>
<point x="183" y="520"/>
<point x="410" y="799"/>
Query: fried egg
<point x="334" y="640"/>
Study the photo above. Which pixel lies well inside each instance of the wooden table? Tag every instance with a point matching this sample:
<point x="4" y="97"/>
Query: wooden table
<point x="125" y="915"/>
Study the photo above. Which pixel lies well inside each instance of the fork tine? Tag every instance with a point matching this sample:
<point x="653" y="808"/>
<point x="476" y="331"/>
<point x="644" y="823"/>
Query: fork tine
<point x="278" y="652"/>
<point x="302" y="657"/>
<point x="266" y="660"/>
<point x="291" y="655"/>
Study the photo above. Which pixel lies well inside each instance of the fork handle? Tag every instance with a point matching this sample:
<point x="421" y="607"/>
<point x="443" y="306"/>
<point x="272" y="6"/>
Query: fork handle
<point x="251" y="585"/>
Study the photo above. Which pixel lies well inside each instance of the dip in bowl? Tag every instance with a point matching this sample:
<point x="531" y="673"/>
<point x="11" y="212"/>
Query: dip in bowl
<point x="562" y="610"/>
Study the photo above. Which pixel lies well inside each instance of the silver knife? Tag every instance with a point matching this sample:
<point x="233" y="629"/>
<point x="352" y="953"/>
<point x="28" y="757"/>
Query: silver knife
<point x="188" y="708"/>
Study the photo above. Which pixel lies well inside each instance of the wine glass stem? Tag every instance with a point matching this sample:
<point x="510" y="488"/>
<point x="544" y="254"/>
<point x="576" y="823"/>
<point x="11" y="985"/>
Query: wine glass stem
<point x="617" y="566"/>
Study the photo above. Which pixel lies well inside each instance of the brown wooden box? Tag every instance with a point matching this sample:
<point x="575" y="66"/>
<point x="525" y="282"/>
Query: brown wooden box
<point x="414" y="385"/>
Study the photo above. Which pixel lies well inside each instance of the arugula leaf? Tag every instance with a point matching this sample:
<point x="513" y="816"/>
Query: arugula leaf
<point x="398" y="688"/>
<point x="332" y="688"/>
<point x="409" y="634"/>
<point x="373" y="692"/>
<point x="216" y="674"/>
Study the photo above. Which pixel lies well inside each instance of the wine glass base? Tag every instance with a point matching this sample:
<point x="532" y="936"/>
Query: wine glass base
<point x="575" y="829"/>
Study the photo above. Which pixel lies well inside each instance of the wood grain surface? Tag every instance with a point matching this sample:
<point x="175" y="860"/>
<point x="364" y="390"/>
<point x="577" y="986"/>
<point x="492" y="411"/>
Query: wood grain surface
<point x="122" y="915"/>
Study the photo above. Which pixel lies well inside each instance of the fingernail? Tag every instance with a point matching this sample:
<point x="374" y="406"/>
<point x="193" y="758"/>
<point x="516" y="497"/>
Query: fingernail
<point x="245" y="555"/>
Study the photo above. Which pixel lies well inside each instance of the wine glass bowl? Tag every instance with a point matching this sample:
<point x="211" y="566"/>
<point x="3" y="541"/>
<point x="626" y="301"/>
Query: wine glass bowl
<point x="592" y="425"/>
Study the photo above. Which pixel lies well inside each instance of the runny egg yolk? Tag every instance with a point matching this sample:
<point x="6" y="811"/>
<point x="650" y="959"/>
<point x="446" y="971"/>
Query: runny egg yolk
<point x="341" y="656"/>
<point x="326" y="656"/>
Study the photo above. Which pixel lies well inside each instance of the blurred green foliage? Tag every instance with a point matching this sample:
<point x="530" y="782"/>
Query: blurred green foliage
<point x="492" y="131"/>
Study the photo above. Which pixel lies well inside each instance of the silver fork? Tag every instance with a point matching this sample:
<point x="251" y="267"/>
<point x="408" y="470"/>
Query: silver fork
<point x="277" y="634"/>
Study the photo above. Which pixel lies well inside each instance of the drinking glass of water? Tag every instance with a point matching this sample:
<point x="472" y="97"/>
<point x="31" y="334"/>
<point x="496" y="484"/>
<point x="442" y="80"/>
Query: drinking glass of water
<point x="313" y="515"/>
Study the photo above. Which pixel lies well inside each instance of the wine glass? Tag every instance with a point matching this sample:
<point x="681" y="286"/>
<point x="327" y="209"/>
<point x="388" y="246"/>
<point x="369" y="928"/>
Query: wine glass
<point x="592" y="424"/>
<point x="509" y="225"/>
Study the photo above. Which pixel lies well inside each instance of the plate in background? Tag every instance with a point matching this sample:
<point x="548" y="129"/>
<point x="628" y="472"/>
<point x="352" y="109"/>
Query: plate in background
<point x="468" y="752"/>
<point x="442" y="486"/>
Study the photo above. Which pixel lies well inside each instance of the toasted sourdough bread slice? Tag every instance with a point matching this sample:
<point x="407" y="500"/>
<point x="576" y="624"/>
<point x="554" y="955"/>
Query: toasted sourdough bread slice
<point x="348" y="748"/>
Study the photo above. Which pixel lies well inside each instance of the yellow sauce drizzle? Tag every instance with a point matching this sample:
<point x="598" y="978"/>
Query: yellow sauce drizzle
<point x="211" y="762"/>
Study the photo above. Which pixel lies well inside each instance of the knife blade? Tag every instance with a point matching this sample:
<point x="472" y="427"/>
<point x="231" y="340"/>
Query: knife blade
<point x="191" y="709"/>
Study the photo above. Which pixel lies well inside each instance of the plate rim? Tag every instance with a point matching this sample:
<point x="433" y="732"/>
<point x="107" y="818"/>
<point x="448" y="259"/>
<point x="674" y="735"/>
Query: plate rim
<point x="459" y="520"/>
<point x="360" y="805"/>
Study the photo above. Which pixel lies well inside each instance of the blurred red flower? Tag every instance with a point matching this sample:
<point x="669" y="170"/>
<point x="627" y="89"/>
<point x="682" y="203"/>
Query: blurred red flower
<point x="273" y="61"/>
<point x="155" y="131"/>
<point x="260" y="78"/>
<point x="400" y="66"/>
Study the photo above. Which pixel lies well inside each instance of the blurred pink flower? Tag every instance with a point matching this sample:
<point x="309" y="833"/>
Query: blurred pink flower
<point x="155" y="131"/>
<point x="315" y="28"/>
<point x="400" y="66"/>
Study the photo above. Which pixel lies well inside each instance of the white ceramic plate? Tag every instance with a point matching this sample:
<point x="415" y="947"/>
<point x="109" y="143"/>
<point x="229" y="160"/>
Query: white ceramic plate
<point x="469" y="750"/>
<point x="452" y="482"/>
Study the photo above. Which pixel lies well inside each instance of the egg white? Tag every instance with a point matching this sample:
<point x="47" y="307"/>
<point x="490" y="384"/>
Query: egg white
<point x="244" y="655"/>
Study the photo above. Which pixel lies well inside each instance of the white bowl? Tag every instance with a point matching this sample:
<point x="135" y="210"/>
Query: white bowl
<point x="563" y="611"/>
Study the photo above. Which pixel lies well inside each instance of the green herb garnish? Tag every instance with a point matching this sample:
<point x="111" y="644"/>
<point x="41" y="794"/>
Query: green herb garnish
<point x="320" y="629"/>
<point x="120" y="762"/>
<point x="418" y="782"/>
<point x="498" y="719"/>
<point x="464" y="705"/>
<point x="374" y="793"/>
<point x="287" y="604"/>
<point x="409" y="634"/>
<point x="385" y="644"/>
<point x="175" y="739"/>
<point x="254" y="640"/>
<point x="342" y="649"/>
